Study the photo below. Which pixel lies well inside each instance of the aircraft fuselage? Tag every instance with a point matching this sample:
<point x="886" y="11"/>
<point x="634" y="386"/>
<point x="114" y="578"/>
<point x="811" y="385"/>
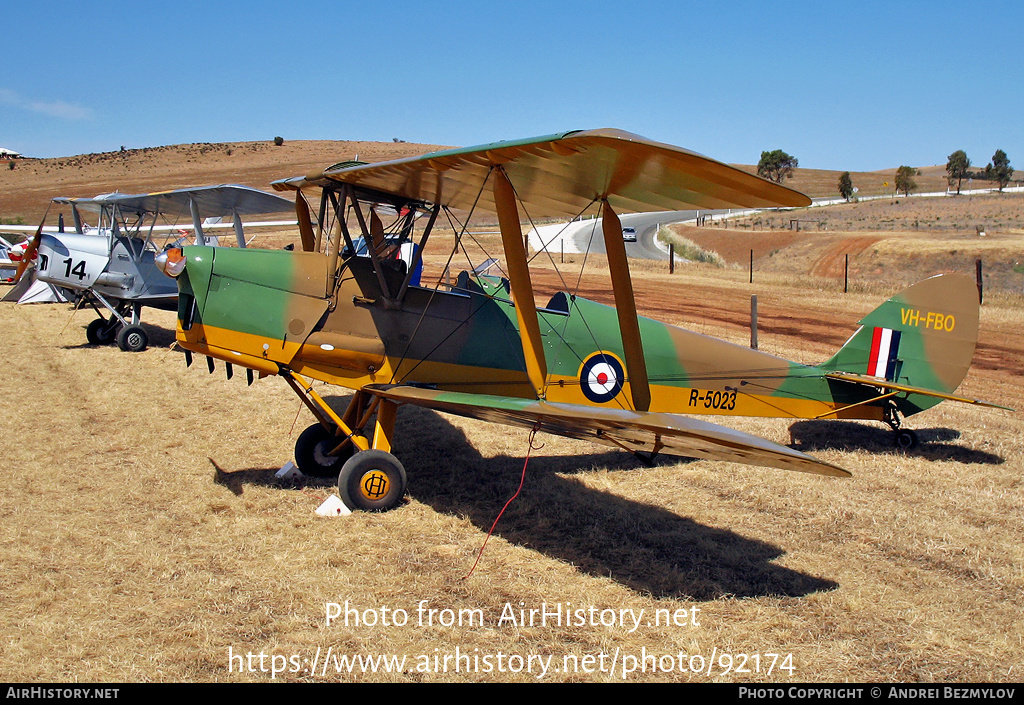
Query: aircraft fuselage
<point x="266" y="309"/>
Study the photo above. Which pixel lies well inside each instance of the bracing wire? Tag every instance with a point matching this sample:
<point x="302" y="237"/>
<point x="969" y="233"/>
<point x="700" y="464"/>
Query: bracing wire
<point x="423" y="314"/>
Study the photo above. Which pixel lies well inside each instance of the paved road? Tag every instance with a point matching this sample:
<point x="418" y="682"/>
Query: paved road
<point x="585" y="235"/>
<point x="577" y="236"/>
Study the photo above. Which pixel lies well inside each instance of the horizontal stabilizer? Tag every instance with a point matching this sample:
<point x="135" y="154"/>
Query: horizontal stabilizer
<point x="636" y="431"/>
<point x="881" y="383"/>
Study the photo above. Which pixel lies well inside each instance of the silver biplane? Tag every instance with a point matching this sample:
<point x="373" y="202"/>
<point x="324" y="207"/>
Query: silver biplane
<point x="111" y="267"/>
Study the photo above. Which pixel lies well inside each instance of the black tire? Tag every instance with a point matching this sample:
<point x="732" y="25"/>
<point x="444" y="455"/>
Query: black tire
<point x="905" y="439"/>
<point x="132" y="339"/>
<point x="311" y="452"/>
<point x="101" y="331"/>
<point x="372" y="480"/>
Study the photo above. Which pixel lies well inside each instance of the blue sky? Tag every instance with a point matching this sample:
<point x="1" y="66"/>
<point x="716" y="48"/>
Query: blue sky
<point x="858" y="86"/>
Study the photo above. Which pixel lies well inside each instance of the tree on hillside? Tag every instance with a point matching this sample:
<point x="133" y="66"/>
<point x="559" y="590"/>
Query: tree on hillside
<point x="845" y="185"/>
<point x="905" y="179"/>
<point x="1000" y="170"/>
<point x="957" y="168"/>
<point x="776" y="165"/>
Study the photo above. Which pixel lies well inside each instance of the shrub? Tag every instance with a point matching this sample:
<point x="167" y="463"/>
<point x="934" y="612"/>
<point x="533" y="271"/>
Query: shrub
<point x="688" y="249"/>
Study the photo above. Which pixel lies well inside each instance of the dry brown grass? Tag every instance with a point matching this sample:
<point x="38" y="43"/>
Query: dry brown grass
<point x="143" y="534"/>
<point x="992" y="213"/>
<point x="825" y="182"/>
<point x="25" y="192"/>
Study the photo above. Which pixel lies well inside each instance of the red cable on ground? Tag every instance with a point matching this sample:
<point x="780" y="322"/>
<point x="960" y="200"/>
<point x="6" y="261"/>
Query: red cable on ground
<point x="522" y="479"/>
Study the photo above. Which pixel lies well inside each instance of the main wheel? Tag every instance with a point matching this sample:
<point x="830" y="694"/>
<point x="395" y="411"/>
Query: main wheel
<point x="101" y="331"/>
<point x="132" y="339"/>
<point x="372" y="480"/>
<point x="311" y="452"/>
<point x="905" y="439"/>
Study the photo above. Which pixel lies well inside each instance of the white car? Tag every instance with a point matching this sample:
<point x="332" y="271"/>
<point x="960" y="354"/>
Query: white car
<point x="629" y="234"/>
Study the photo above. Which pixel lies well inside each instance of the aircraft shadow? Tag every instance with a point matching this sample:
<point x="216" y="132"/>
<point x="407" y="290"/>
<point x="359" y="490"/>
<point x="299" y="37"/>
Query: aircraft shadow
<point x="809" y="436"/>
<point x="159" y="337"/>
<point x="642" y="546"/>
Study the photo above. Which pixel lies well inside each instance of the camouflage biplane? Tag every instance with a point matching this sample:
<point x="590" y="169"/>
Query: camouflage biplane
<point x="482" y="348"/>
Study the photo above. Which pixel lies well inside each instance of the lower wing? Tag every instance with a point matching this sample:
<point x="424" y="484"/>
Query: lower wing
<point x="636" y="431"/>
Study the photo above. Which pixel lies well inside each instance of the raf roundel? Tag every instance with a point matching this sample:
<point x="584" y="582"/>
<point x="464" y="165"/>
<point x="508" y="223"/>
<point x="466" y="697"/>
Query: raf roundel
<point x="601" y="378"/>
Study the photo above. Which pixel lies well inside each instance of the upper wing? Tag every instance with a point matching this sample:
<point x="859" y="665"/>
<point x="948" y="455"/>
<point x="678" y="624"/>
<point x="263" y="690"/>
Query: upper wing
<point x="561" y="175"/>
<point x="631" y="430"/>
<point x="211" y="201"/>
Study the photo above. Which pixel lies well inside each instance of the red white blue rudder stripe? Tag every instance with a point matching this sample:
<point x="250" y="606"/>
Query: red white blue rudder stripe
<point x="885" y="345"/>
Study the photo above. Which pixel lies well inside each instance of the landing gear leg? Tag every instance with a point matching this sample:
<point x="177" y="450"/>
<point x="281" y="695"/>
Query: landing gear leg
<point x="904" y="438"/>
<point x="122" y="326"/>
<point x="323" y="448"/>
<point x="371" y="479"/>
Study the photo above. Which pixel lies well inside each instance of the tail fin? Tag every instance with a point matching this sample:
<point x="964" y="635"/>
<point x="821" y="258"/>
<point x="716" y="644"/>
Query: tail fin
<point x="923" y="337"/>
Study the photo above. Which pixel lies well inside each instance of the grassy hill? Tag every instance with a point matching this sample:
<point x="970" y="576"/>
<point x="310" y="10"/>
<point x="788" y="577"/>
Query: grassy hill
<point x="26" y="190"/>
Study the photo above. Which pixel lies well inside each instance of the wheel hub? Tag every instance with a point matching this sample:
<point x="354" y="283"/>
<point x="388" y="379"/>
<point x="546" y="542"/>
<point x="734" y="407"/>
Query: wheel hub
<point x="374" y="485"/>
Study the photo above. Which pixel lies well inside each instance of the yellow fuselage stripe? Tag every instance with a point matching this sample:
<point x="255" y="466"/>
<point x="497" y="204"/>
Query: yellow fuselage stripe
<point x="247" y="350"/>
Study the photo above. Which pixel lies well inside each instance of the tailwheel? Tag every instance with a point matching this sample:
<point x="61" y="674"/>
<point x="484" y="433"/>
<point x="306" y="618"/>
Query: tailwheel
<point x="372" y="480"/>
<point x="101" y="331"/>
<point x="312" y="452"/>
<point x="132" y="339"/>
<point x="905" y="439"/>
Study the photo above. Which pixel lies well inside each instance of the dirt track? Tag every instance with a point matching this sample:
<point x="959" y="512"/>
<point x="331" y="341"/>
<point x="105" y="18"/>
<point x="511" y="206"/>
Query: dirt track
<point x="834" y="260"/>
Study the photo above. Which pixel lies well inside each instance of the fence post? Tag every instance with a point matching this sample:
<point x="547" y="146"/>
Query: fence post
<point x="671" y="258"/>
<point x="753" y="321"/>
<point x="977" y="269"/>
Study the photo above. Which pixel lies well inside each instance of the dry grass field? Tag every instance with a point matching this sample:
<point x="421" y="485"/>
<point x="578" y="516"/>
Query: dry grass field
<point x="143" y="536"/>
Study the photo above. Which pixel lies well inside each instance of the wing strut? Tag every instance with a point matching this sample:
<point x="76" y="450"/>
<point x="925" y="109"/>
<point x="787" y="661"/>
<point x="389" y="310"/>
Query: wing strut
<point x="197" y="222"/>
<point x="79" y="227"/>
<point x="418" y="252"/>
<point x="305" y="223"/>
<point x="625" y="307"/>
<point x="236" y="221"/>
<point x="341" y="230"/>
<point x="519" y="277"/>
<point x="370" y="234"/>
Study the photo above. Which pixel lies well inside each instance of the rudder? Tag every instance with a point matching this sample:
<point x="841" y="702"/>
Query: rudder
<point x="923" y="337"/>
